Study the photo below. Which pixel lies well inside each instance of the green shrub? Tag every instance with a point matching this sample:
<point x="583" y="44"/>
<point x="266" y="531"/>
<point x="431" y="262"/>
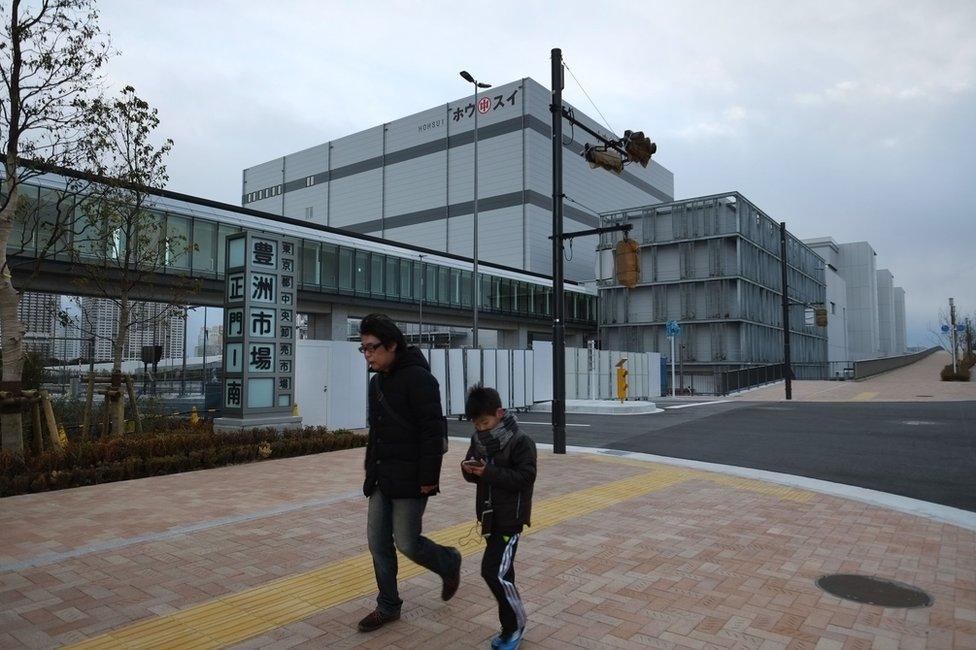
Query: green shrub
<point x="183" y="448"/>
<point x="961" y="373"/>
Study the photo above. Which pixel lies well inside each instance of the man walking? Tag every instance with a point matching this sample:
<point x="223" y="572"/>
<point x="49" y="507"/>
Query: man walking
<point x="403" y="465"/>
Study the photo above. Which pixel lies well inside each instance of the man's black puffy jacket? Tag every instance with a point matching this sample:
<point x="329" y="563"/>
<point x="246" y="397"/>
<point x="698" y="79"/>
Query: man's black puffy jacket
<point x="399" y="459"/>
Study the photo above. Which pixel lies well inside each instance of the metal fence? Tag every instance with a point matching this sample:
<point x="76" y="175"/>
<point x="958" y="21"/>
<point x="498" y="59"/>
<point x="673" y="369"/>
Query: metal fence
<point x="733" y="380"/>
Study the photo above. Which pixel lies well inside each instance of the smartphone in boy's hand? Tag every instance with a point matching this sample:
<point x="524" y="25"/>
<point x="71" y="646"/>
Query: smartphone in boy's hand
<point x="473" y="466"/>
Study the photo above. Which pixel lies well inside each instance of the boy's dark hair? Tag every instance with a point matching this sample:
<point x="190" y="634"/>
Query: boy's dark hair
<point x="481" y="401"/>
<point x="382" y="327"/>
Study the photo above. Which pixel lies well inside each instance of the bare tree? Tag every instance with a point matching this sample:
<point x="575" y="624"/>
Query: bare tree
<point x="51" y="56"/>
<point x="937" y="336"/>
<point x="127" y="244"/>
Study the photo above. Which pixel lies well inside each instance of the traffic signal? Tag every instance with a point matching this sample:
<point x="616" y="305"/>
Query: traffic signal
<point x="622" y="384"/>
<point x="626" y="261"/>
<point x="603" y="157"/>
<point x="820" y="317"/>
<point x="639" y="147"/>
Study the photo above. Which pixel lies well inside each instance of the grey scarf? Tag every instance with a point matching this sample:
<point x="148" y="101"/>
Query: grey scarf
<point x="489" y="443"/>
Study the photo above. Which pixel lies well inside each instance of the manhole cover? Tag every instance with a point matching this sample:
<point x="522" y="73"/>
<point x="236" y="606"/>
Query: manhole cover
<point x="874" y="591"/>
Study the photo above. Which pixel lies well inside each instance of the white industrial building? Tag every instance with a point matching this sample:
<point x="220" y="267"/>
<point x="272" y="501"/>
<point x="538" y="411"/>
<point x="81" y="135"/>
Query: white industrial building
<point x="411" y="181"/>
<point x="886" y="313"/>
<point x="866" y="311"/>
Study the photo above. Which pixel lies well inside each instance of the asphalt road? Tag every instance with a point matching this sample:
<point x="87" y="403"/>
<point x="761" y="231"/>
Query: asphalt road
<point x="925" y="451"/>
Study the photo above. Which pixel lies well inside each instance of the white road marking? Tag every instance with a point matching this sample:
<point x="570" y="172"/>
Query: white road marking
<point x="549" y="424"/>
<point x="684" y="406"/>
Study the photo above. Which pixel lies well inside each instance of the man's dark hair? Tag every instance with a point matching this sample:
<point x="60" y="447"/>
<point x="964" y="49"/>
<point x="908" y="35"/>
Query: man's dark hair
<point x="382" y="327"/>
<point x="481" y="401"/>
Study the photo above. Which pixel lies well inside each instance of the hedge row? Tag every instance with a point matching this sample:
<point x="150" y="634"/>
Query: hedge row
<point x="89" y="462"/>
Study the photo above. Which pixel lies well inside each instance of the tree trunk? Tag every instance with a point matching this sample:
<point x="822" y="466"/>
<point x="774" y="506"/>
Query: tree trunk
<point x="118" y="348"/>
<point x="13" y="330"/>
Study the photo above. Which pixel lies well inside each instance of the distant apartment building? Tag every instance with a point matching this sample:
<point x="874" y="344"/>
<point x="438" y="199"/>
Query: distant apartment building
<point x="713" y="265"/>
<point x="100" y="319"/>
<point x="210" y="341"/>
<point x="68" y="339"/>
<point x="38" y="313"/>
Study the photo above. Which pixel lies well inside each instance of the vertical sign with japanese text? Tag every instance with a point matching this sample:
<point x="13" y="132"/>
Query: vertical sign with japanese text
<point x="259" y="325"/>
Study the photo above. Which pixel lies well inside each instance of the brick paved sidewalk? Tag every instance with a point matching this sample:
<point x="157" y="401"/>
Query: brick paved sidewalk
<point x="623" y="554"/>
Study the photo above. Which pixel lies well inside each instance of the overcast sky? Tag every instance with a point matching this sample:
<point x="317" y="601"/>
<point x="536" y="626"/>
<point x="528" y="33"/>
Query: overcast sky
<point x="848" y="119"/>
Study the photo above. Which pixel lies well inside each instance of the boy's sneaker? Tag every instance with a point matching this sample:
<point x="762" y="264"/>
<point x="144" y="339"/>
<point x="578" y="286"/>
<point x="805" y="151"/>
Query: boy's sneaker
<point x="510" y="642"/>
<point x="453" y="579"/>
<point x="377" y="619"/>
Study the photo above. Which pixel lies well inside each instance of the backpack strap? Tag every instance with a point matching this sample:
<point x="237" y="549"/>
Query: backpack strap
<point x="376" y="382"/>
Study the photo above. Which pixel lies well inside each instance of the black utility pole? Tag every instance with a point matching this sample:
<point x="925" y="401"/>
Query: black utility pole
<point x="787" y="369"/>
<point x="558" y="309"/>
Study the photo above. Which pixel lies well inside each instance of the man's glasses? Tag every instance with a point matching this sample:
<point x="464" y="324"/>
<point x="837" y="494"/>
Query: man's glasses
<point x="369" y="347"/>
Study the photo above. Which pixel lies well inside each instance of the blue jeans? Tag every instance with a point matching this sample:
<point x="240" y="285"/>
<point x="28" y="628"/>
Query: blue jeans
<point x="395" y="524"/>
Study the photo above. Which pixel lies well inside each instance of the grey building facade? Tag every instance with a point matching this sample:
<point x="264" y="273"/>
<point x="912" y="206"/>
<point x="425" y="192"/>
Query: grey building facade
<point x="901" y="331"/>
<point x="874" y="311"/>
<point x="411" y="181"/>
<point x="712" y="264"/>
<point x="836" y="304"/>
<point x="886" y="313"/>
<point x="859" y="270"/>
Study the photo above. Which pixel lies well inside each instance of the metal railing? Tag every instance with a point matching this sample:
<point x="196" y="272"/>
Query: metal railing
<point x="869" y="367"/>
<point x="734" y="380"/>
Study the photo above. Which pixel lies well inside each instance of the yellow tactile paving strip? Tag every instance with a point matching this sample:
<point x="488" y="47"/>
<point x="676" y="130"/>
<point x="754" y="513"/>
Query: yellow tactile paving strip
<point x="238" y="617"/>
<point x="751" y="485"/>
<point x="864" y="397"/>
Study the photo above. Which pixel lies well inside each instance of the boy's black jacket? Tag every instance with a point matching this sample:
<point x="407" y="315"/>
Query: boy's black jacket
<point x="511" y="476"/>
<point x="399" y="461"/>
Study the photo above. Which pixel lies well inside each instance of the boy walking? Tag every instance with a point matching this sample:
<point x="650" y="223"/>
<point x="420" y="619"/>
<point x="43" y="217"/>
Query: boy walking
<point x="502" y="462"/>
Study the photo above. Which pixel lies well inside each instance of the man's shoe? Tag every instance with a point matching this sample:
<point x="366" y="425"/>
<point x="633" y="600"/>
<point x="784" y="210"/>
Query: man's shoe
<point x="453" y="579"/>
<point x="510" y="642"/>
<point x="377" y="619"/>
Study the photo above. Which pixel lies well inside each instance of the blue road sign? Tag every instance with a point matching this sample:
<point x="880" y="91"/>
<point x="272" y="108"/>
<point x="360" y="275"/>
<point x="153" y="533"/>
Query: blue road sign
<point x="960" y="327"/>
<point x="945" y="328"/>
<point x="673" y="328"/>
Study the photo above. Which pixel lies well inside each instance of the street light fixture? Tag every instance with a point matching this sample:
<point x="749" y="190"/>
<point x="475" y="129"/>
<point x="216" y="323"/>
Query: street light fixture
<point x="475" y="284"/>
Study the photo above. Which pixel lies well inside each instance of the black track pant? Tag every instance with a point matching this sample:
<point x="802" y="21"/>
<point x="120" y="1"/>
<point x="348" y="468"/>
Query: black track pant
<point x="498" y="570"/>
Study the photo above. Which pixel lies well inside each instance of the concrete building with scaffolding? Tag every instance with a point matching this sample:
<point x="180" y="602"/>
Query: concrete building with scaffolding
<point x="712" y="264"/>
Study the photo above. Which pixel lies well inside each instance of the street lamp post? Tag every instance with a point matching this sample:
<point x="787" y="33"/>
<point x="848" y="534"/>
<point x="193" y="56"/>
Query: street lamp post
<point x="420" y="326"/>
<point x="475" y="284"/>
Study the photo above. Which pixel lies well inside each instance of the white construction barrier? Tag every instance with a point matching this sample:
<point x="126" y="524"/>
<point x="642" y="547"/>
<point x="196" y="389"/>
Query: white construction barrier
<point x="331" y="378"/>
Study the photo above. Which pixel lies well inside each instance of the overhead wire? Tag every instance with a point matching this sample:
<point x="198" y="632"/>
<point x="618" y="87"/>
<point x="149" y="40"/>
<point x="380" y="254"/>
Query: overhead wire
<point x="606" y="122"/>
